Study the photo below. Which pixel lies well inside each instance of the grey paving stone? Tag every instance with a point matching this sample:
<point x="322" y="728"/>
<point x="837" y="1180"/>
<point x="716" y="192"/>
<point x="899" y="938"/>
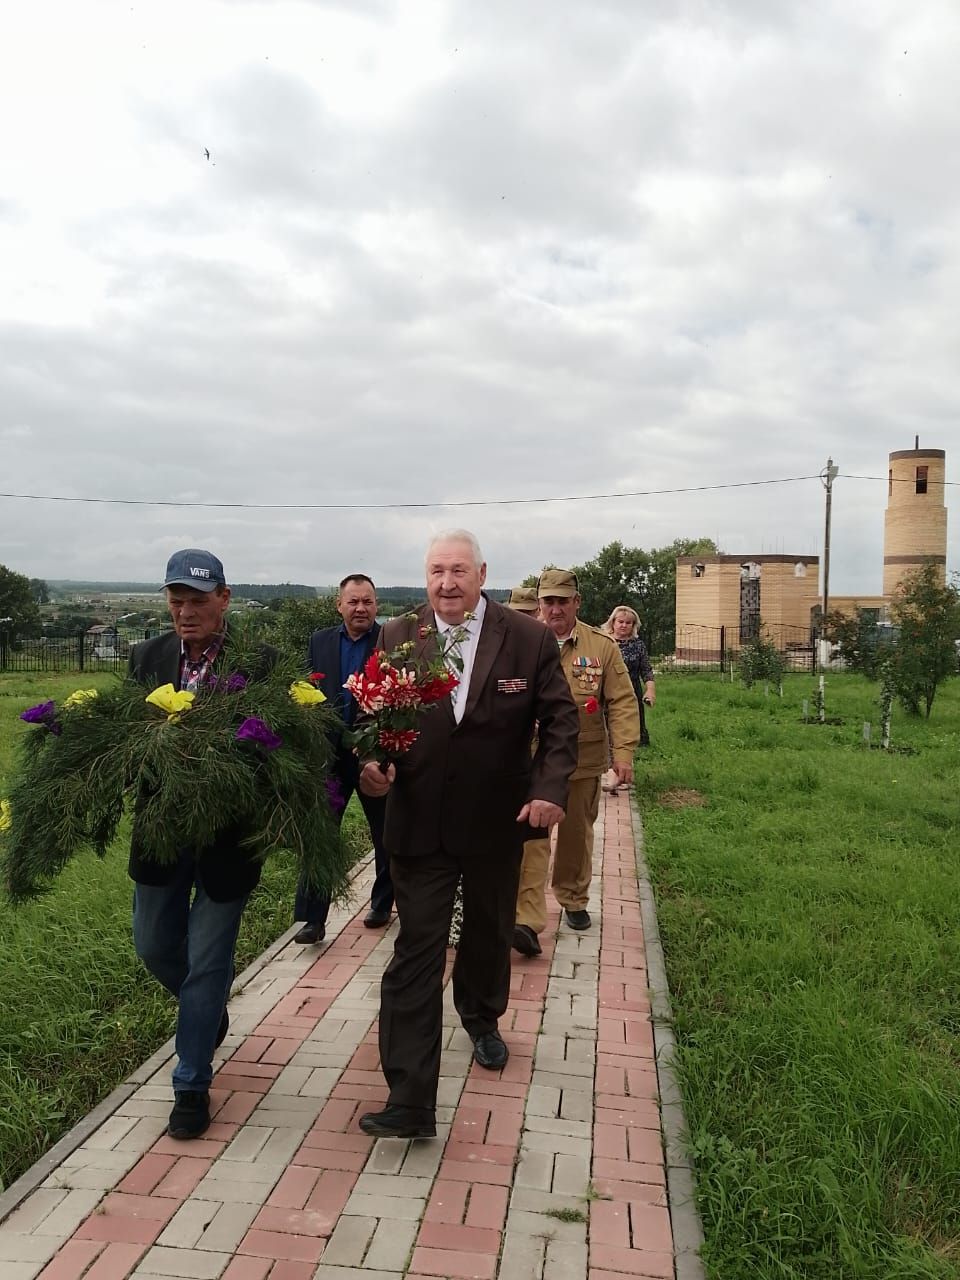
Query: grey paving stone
<point x="229" y="1226"/>
<point x="70" y="1212"/>
<point x="22" y="1246"/>
<point x="571" y="1175"/>
<point x="548" y="1124"/>
<point x="534" y="1169"/>
<point x="185" y="1264"/>
<point x="189" y="1223"/>
<point x="379" y="1206"/>
<point x="534" y="1201"/>
<point x="34" y="1209"/>
<point x="521" y="1257"/>
<point x="576" y="1104"/>
<point x="390" y="1248"/>
<point x="528" y="1223"/>
<point x="247" y="1145"/>
<point x="404" y="1187"/>
<point x="558" y="1143"/>
<point x="348" y="1240"/>
<point x="542" y="1100"/>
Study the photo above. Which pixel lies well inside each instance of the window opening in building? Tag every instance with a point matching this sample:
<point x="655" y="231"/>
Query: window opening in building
<point x="921" y="479"/>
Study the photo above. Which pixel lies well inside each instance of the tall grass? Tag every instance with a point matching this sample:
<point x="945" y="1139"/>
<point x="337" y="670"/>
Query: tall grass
<point x="77" y="1010"/>
<point x="810" y="911"/>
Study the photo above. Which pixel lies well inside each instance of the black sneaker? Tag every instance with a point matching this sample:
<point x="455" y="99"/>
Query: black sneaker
<point x="578" y="919"/>
<point x="526" y="941"/>
<point x="190" y="1115"/>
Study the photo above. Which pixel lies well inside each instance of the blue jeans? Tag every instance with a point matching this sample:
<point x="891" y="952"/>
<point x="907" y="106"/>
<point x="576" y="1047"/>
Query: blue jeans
<point x="188" y="946"/>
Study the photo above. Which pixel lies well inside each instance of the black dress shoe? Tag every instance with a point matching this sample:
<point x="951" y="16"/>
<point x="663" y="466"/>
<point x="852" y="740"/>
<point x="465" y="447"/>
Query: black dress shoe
<point x="190" y="1115"/>
<point x="310" y="933"/>
<point x="222" y="1029"/>
<point x="399" y="1122"/>
<point x="578" y="919"/>
<point x="490" y="1051"/>
<point x="526" y="941"/>
<point x="376" y="919"/>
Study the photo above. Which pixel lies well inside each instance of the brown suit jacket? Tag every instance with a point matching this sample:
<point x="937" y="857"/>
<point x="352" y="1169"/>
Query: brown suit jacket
<point x="461" y="786"/>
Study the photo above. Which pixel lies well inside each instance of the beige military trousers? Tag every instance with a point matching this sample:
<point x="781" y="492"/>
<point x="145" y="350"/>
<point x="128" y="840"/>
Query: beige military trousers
<point x="572" y="859"/>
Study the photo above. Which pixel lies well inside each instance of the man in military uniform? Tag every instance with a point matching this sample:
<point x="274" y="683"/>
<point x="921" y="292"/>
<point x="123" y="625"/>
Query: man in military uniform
<point x="524" y="600"/>
<point x="601" y="688"/>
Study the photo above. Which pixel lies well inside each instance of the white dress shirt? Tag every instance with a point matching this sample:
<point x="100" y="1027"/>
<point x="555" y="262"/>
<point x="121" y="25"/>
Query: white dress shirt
<point x="467" y="650"/>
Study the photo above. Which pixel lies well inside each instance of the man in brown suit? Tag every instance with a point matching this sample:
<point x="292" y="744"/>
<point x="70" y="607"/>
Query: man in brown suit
<point x="460" y="805"/>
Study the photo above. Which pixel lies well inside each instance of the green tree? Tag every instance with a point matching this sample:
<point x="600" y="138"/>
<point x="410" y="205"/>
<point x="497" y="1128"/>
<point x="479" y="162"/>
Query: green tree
<point x="862" y="644"/>
<point x="294" y="621"/>
<point x="761" y="660"/>
<point x="927" y="616"/>
<point x="19" y="613"/>
<point x="40" y="591"/>
<point x="645" y="580"/>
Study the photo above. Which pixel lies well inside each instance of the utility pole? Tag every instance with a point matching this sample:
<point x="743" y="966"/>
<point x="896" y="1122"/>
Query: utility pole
<point x="827" y="476"/>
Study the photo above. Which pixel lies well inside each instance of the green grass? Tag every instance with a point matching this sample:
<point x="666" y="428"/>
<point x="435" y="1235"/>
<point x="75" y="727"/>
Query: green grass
<point x="77" y="1010"/>
<point x="811" y="920"/>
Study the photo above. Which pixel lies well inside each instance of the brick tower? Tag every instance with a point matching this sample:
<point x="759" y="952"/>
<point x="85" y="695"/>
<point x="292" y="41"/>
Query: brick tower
<point x="915" y="523"/>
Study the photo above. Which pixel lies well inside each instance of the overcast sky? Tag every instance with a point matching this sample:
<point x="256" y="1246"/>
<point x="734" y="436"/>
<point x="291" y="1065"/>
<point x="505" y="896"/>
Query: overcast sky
<point x="461" y="251"/>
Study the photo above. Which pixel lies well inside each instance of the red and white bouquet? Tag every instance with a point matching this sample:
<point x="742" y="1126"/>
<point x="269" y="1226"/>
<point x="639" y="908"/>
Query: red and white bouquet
<point x="393" y="690"/>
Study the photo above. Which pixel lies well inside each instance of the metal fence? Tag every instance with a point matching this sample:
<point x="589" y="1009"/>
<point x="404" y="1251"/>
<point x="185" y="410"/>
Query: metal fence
<point x="85" y="651"/>
<point x="718" y="648"/>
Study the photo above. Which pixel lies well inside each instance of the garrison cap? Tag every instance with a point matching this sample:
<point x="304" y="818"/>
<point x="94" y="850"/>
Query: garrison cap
<point x="524" y="599"/>
<point x="558" y="582"/>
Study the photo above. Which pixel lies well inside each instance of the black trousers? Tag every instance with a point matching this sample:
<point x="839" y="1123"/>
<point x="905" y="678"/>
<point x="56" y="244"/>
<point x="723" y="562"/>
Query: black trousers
<point x="411" y="994"/>
<point x="314" y="907"/>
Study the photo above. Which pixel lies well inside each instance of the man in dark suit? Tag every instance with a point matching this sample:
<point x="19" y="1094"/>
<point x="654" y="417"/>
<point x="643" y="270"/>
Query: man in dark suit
<point x="186" y="915"/>
<point x="459" y="805"/>
<point x="337" y="653"/>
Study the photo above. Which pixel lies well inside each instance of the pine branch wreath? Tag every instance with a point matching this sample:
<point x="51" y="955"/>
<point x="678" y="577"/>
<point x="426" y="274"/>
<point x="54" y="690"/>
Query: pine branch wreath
<point x="244" y="756"/>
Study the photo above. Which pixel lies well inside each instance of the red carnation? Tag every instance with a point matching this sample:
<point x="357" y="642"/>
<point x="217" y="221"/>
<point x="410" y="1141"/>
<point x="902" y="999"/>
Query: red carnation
<point x="424" y="632"/>
<point x="591" y="705"/>
<point x="317" y="675"/>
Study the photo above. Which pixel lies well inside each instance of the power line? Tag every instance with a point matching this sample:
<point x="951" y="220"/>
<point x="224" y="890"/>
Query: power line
<point x="421" y="506"/>
<point x="383" y="506"/>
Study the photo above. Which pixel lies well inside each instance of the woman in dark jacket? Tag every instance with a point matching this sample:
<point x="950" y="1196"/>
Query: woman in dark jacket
<point x="624" y="625"/>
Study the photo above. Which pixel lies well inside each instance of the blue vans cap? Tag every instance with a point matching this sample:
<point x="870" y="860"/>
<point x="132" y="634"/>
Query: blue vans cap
<point x="194" y="568"/>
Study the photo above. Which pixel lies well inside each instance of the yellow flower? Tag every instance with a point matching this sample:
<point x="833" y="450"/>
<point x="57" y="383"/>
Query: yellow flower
<point x="6" y="817"/>
<point x="79" y="697"/>
<point x="169" y="700"/>
<point x="302" y="691"/>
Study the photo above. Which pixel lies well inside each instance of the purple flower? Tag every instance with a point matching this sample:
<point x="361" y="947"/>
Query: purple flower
<point x="228" y="684"/>
<point x="254" y="730"/>
<point x="335" y="797"/>
<point x="44" y="713"/>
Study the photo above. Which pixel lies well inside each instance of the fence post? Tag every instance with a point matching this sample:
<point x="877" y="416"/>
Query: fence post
<point x="4" y="641"/>
<point x="723" y="649"/>
<point x="80" y="650"/>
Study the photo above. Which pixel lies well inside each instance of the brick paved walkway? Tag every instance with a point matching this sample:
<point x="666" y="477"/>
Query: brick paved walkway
<point x="553" y="1167"/>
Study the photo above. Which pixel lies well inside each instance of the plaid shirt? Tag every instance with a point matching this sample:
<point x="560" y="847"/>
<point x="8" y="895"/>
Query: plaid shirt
<point x="194" y="674"/>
